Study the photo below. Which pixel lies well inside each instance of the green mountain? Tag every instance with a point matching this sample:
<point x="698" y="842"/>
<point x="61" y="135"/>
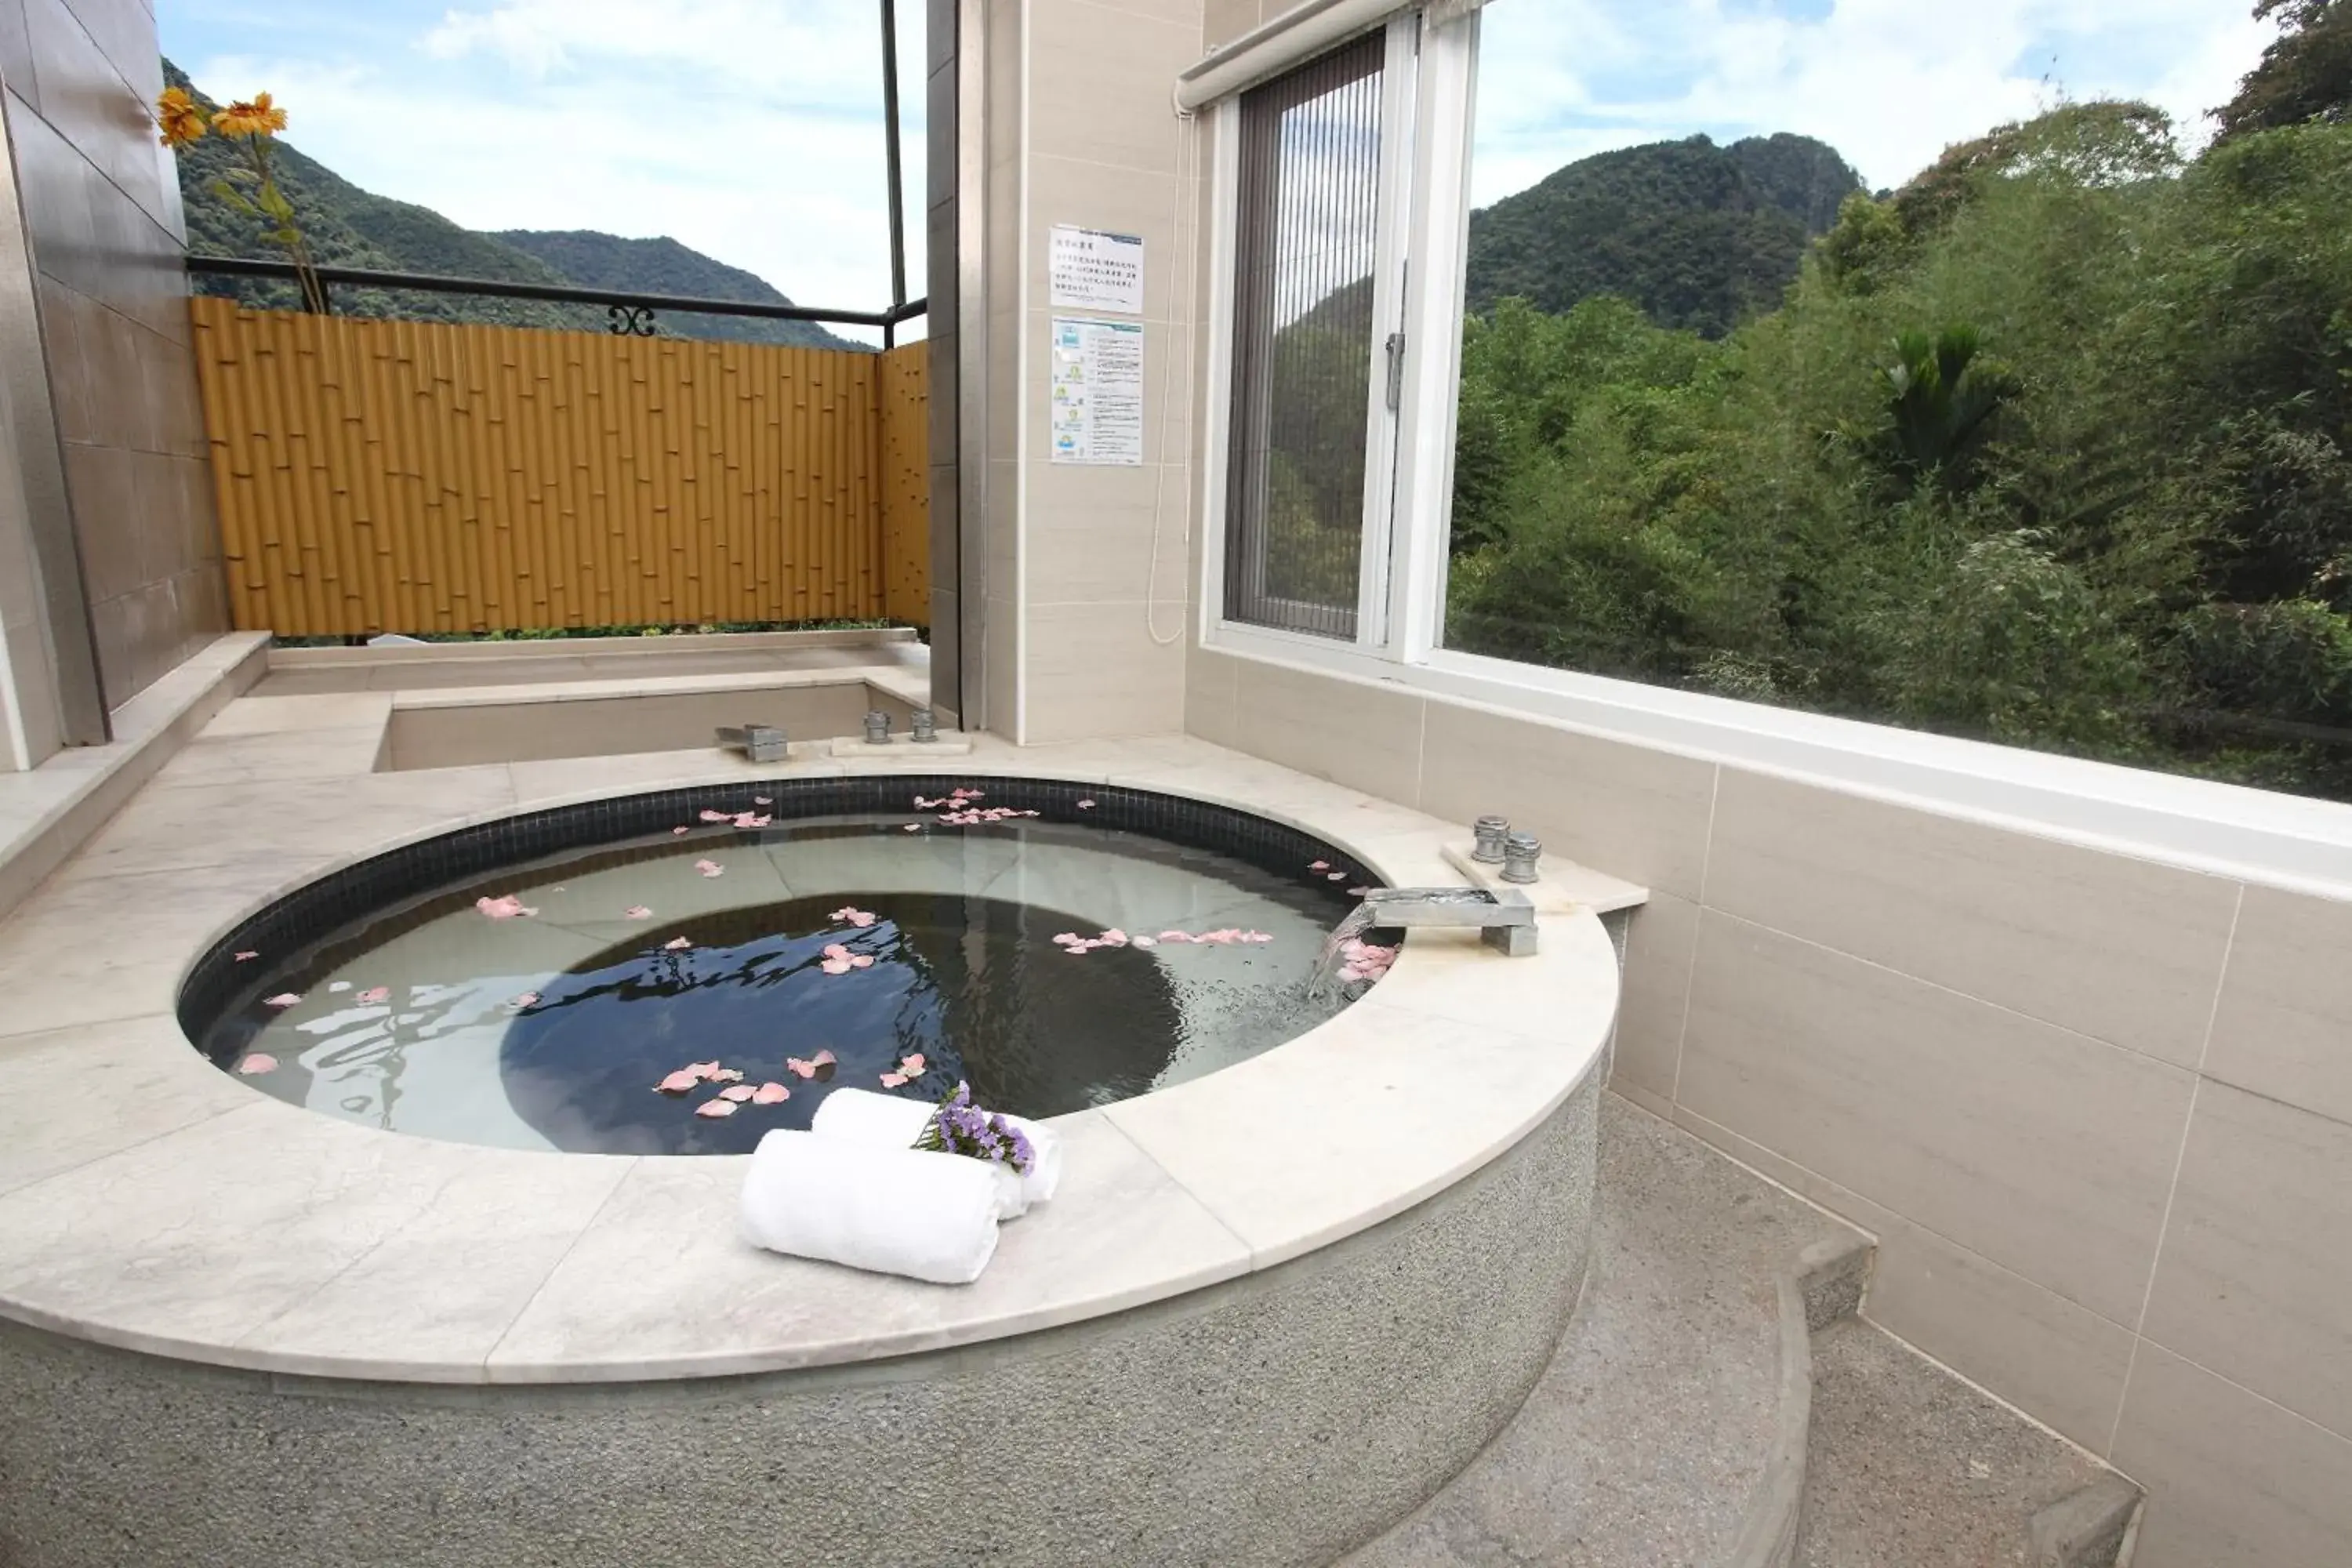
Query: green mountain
<point x="1697" y="235"/>
<point x="348" y="226"/>
<point x="665" y="266"/>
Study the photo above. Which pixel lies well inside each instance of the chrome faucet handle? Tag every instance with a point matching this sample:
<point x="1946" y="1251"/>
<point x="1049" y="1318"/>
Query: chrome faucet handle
<point x="1520" y="853"/>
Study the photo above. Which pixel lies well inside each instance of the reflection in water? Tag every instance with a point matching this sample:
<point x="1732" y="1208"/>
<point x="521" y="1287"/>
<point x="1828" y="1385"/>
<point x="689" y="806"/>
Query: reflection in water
<point x="552" y="1031"/>
<point x="975" y="986"/>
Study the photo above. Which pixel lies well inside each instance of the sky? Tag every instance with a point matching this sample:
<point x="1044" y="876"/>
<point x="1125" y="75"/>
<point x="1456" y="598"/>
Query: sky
<point x="751" y="129"/>
<point x="1889" y="83"/>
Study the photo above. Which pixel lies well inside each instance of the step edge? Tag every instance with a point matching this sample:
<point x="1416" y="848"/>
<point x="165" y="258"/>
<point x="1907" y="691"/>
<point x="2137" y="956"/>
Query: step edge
<point x="1821" y="1284"/>
<point x="2087" y="1528"/>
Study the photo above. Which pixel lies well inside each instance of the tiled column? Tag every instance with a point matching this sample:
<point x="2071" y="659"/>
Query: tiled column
<point x="1088" y="593"/>
<point x="943" y="319"/>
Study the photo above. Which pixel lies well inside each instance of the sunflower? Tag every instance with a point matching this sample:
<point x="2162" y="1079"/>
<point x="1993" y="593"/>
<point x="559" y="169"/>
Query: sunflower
<point x="257" y="118"/>
<point x="177" y="116"/>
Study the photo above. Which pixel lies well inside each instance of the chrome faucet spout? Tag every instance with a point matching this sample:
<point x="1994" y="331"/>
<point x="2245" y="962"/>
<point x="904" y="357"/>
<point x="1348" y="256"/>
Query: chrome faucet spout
<point x="1505" y="918"/>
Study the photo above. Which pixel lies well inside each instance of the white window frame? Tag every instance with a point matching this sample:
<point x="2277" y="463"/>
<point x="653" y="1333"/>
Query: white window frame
<point x="1375" y="595"/>
<point x="2227" y="829"/>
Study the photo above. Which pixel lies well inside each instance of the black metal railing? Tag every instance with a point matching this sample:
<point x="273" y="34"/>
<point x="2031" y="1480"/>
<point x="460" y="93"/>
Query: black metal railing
<point x="631" y="314"/>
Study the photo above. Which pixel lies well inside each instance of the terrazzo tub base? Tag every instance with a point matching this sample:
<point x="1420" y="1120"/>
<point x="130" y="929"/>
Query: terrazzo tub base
<point x="1278" y="1418"/>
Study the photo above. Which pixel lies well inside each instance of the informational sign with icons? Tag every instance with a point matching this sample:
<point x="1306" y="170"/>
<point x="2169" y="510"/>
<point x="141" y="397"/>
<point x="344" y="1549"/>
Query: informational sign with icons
<point x="1098" y="391"/>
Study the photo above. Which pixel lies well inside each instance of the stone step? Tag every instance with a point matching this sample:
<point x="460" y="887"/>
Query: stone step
<point x="1669" y="1431"/>
<point x="1906" y="1464"/>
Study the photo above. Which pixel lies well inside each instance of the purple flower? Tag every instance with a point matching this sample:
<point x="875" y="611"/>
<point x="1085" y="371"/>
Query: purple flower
<point x="960" y="1127"/>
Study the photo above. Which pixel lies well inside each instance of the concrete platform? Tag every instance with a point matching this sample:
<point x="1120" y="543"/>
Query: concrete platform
<point x="1908" y="1465"/>
<point x="1685" y="1414"/>
<point x="1651" y="1440"/>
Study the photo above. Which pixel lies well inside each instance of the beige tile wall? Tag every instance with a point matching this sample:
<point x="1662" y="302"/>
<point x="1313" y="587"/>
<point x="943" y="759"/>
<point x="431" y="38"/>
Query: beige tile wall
<point x="102" y="201"/>
<point x="1090" y="560"/>
<point x="2097" y="1109"/>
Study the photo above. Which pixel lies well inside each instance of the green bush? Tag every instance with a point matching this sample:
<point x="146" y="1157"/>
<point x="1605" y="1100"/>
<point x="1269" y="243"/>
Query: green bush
<point x="2095" y="499"/>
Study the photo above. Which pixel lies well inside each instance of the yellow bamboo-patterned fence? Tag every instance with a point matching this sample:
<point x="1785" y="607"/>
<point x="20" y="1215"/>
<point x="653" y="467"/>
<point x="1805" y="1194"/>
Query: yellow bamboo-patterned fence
<point x="418" y="476"/>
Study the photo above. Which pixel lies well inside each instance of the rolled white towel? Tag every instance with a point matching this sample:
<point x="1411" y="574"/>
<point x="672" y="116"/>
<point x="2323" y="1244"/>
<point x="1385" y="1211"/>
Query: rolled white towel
<point x="871" y="1118"/>
<point x="910" y="1212"/>
<point x="1044" y="1172"/>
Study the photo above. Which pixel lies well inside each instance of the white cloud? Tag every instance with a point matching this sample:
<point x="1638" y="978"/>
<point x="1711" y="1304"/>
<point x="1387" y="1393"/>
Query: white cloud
<point x="1889" y="83"/>
<point x="751" y="130"/>
<point x="747" y="130"/>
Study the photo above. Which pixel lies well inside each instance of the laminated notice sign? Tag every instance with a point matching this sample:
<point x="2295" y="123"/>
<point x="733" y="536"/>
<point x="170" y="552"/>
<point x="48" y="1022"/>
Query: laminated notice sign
<point x="1089" y="269"/>
<point x="1098" y="391"/>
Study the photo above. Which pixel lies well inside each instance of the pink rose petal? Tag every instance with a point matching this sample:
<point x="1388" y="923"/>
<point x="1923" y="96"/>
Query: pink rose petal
<point x="639" y="913"/>
<point x="503" y="909"/>
<point x="1086" y="806"/>
<point x="836" y="966"/>
<point x="762" y="800"/>
<point x="912" y="827"/>
<point x="738" y="1092"/>
<point x="1318" y="865"/>
<point x="527" y="999"/>
<point x="714" y="816"/>
<point x="682" y="1081"/>
<point x="894" y="1080"/>
<point x="770" y="1094"/>
<point x="373" y="995"/>
<point x="702" y="1069"/>
<point x="260" y="1061"/>
<point x="715" y="1108"/>
<point x="246" y="957"/>
<point x="284" y="999"/>
<point x="912" y="1066"/>
<point x="727" y="1075"/>
<point x="710" y="868"/>
<point x="676" y="944"/>
<point x="835" y="949"/>
<point x="824" y="1058"/>
<point x="862" y="961"/>
<point x="678" y="832"/>
<point x="800" y="1069"/>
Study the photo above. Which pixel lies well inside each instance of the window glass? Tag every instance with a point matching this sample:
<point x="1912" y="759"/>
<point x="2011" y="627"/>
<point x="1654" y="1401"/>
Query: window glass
<point x="1305" y="242"/>
<point x="1989" y="375"/>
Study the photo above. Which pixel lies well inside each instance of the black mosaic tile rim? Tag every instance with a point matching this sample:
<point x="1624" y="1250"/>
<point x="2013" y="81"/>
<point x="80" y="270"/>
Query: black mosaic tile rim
<point x="313" y="914"/>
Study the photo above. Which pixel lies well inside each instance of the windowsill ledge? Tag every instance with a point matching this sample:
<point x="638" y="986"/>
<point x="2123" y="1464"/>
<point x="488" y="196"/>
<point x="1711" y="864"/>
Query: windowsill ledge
<point x="2289" y="841"/>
